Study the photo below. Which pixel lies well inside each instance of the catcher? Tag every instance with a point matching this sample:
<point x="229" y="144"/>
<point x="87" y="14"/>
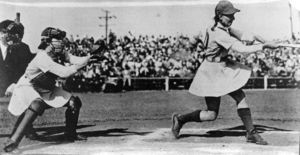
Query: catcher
<point x="36" y="90"/>
<point x="218" y="76"/>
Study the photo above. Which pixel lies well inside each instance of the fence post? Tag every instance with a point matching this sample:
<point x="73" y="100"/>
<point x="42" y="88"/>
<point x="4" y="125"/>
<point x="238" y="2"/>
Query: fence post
<point x="265" y="82"/>
<point x="167" y="83"/>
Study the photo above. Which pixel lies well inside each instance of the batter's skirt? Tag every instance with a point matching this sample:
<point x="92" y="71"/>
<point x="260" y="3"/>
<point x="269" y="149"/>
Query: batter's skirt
<point x="218" y="79"/>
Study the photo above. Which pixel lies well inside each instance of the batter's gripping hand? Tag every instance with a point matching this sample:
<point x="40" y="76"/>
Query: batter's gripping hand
<point x="270" y="45"/>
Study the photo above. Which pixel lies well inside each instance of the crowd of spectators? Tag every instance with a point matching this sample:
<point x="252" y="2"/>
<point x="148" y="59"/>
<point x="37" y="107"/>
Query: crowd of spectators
<point x="160" y="56"/>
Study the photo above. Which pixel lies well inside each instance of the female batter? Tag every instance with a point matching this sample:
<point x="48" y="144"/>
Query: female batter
<point x="36" y="90"/>
<point x="218" y="76"/>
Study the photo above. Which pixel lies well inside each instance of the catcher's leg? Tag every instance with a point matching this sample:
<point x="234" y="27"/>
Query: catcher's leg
<point x="30" y="132"/>
<point x="72" y="114"/>
<point x="18" y="122"/>
<point x="213" y="104"/>
<point x="245" y="115"/>
<point x="36" y="108"/>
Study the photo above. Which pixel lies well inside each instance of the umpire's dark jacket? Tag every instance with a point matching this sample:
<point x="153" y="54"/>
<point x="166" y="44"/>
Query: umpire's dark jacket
<point x="14" y="65"/>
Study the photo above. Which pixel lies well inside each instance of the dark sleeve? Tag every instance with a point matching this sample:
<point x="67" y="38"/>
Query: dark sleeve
<point x="26" y="54"/>
<point x="21" y="56"/>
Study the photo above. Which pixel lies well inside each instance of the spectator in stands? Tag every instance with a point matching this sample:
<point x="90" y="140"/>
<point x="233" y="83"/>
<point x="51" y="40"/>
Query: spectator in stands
<point x="297" y="76"/>
<point x="126" y="74"/>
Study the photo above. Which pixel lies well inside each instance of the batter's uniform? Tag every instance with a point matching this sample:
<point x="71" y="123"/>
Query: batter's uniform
<point x="218" y="76"/>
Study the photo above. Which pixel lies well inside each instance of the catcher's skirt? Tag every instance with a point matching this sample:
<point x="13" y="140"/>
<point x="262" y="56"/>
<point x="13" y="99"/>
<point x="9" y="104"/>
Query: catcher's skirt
<point x="218" y="79"/>
<point x="24" y="94"/>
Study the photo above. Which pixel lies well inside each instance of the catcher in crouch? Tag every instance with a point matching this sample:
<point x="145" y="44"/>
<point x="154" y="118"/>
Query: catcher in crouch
<point x="36" y="89"/>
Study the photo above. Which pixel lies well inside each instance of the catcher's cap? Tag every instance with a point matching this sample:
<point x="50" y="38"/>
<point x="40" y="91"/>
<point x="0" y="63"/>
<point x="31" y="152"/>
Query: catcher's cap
<point x="12" y="27"/>
<point x="225" y="7"/>
<point x="51" y="32"/>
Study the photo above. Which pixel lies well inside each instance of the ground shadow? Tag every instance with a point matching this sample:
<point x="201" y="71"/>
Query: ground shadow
<point x="116" y="132"/>
<point x="21" y="148"/>
<point x="45" y="131"/>
<point x="232" y="132"/>
<point x="54" y="134"/>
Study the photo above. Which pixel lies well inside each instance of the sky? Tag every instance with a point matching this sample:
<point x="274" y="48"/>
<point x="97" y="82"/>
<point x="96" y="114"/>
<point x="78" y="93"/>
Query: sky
<point x="268" y="18"/>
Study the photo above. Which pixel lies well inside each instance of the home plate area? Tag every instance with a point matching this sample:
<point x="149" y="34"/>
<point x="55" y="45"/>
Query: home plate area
<point x="160" y="142"/>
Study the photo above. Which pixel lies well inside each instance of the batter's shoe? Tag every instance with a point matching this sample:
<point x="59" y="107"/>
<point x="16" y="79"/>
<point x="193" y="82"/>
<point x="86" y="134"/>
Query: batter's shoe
<point x="176" y="125"/>
<point x="10" y="145"/>
<point x="254" y="137"/>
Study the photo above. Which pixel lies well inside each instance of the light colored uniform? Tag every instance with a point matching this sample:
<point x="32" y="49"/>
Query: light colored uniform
<point x="215" y="77"/>
<point x="24" y="93"/>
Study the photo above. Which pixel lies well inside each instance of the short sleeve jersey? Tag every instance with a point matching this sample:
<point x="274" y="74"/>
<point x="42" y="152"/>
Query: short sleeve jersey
<point x="219" y="43"/>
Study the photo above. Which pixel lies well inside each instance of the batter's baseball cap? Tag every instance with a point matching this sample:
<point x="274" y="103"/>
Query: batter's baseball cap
<point x="225" y="7"/>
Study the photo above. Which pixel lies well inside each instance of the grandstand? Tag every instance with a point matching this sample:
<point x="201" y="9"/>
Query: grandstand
<point x="170" y="62"/>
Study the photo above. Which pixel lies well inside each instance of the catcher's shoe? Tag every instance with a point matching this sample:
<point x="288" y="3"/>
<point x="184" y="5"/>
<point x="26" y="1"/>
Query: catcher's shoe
<point x="72" y="137"/>
<point x="10" y="145"/>
<point x="33" y="136"/>
<point x="254" y="137"/>
<point x="176" y="125"/>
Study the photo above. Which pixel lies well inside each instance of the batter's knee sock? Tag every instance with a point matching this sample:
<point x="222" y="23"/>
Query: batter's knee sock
<point x="245" y="115"/>
<point x="190" y="117"/>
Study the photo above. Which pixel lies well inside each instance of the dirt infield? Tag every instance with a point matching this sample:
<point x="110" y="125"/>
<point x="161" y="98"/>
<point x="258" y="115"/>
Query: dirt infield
<point x="139" y="123"/>
<point x="159" y="141"/>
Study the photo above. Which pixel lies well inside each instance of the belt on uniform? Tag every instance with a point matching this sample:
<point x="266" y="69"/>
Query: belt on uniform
<point x="227" y="60"/>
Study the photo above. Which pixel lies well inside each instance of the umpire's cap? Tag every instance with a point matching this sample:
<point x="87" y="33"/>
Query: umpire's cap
<point x="12" y="27"/>
<point x="225" y="7"/>
<point x="51" y="32"/>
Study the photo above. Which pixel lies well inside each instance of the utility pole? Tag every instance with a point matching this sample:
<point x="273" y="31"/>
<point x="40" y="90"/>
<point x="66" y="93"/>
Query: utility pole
<point x="18" y="17"/>
<point x="291" y="19"/>
<point x="106" y="17"/>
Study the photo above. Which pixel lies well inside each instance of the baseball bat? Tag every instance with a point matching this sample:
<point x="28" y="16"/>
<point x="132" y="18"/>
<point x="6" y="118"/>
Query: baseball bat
<point x="289" y="45"/>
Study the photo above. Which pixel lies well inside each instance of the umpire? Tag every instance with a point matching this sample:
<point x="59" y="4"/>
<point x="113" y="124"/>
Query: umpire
<point x="15" y="56"/>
